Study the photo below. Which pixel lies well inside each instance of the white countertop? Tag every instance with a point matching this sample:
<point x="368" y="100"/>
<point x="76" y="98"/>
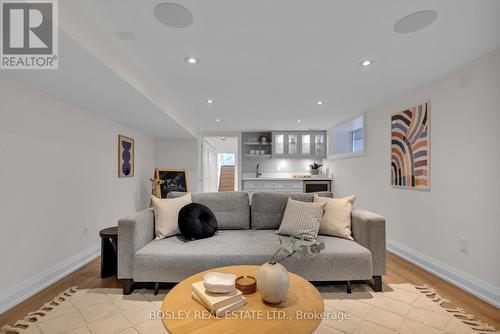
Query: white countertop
<point x="263" y="178"/>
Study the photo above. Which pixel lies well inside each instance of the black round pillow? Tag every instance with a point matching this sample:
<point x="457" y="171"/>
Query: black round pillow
<point x="196" y="221"/>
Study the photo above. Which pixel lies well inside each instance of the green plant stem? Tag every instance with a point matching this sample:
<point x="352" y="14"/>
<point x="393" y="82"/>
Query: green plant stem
<point x="279" y="249"/>
<point x="286" y="257"/>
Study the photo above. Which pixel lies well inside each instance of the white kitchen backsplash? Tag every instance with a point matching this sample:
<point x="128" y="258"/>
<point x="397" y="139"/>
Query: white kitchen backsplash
<point x="282" y="167"/>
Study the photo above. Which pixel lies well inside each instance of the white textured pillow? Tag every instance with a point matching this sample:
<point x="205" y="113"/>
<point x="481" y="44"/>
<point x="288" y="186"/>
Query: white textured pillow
<point x="301" y="219"/>
<point x="167" y="213"/>
<point x="337" y="217"/>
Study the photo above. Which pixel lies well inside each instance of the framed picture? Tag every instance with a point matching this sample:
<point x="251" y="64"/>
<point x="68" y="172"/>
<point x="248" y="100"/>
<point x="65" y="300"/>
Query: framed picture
<point x="125" y="156"/>
<point x="173" y="180"/>
<point x="410" y="148"/>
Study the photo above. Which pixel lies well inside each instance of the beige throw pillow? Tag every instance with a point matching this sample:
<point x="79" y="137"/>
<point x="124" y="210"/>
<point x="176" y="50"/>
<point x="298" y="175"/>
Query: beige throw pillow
<point x="167" y="213"/>
<point x="337" y="217"/>
<point x="301" y="219"/>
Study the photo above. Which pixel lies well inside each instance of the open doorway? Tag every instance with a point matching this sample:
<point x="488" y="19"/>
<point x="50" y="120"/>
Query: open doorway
<point x="220" y="163"/>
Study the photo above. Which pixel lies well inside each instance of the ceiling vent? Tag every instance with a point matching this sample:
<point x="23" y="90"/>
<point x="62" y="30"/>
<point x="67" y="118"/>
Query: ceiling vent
<point x="173" y="15"/>
<point x="415" y="21"/>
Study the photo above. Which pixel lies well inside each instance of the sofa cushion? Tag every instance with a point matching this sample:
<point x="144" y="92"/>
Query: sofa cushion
<point x="197" y="221"/>
<point x="301" y="219"/>
<point x="167" y="214"/>
<point x="336" y="220"/>
<point x="268" y="207"/>
<point x="172" y="259"/>
<point x="232" y="209"/>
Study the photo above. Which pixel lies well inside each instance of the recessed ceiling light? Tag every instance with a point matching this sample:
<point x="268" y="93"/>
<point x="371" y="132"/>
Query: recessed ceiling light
<point x="223" y="138"/>
<point x="173" y="15"/>
<point x="319" y="103"/>
<point x="365" y="63"/>
<point x="299" y="120"/>
<point x="191" y="60"/>
<point x="415" y="21"/>
<point x="217" y="119"/>
<point x="210" y="101"/>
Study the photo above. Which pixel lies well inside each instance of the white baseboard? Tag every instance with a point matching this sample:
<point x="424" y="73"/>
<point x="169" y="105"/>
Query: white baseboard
<point x="27" y="288"/>
<point x="475" y="286"/>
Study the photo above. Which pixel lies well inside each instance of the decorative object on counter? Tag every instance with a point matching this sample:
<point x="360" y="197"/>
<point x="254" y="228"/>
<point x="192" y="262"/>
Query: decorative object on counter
<point x="315" y="168"/>
<point x="174" y="180"/>
<point x="125" y="156"/>
<point x="196" y="221"/>
<point x="272" y="278"/>
<point x="246" y="284"/>
<point x="301" y="176"/>
<point x="218" y="282"/>
<point x="263" y="139"/>
<point x="410" y="148"/>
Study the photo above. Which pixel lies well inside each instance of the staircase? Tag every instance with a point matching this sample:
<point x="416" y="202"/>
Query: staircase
<point x="226" y="180"/>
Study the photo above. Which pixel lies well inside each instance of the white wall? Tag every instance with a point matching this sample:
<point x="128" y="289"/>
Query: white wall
<point x="179" y="154"/>
<point x="464" y="200"/>
<point x="58" y="172"/>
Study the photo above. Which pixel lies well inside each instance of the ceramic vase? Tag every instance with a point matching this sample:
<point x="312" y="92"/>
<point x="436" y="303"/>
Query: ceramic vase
<point x="272" y="282"/>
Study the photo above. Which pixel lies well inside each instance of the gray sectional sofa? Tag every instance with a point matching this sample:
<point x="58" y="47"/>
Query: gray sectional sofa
<point x="247" y="235"/>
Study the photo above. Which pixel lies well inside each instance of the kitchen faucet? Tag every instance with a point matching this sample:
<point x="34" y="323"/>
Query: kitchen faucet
<point x="257" y="173"/>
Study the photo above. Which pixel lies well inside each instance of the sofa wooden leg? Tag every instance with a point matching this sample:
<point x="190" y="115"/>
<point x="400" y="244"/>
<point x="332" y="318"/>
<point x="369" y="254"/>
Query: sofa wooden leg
<point x="377" y="284"/>
<point x="157" y="287"/>
<point x="348" y="286"/>
<point x="128" y="286"/>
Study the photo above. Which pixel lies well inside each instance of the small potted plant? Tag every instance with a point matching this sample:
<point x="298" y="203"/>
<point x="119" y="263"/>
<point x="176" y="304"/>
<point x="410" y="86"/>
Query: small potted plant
<point x="272" y="278"/>
<point x="315" y="168"/>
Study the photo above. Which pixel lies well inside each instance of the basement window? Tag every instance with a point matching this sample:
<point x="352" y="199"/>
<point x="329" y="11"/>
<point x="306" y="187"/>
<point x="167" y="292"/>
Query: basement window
<point x="347" y="139"/>
<point x="357" y="140"/>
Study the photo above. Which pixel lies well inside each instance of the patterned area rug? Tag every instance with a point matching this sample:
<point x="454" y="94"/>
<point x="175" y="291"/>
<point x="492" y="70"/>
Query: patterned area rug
<point x="400" y="308"/>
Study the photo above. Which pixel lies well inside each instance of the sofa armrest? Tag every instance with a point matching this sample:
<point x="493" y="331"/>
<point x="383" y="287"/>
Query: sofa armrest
<point x="368" y="230"/>
<point x="134" y="232"/>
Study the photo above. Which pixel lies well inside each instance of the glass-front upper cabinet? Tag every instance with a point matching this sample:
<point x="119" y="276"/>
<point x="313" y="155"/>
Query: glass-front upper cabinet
<point x="319" y="144"/>
<point x="279" y="144"/>
<point x="305" y="140"/>
<point x="293" y="143"/>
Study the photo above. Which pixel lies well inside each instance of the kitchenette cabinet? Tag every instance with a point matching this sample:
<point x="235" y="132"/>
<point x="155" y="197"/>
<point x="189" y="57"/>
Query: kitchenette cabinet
<point x="264" y="166"/>
<point x="299" y="144"/>
<point x="288" y="185"/>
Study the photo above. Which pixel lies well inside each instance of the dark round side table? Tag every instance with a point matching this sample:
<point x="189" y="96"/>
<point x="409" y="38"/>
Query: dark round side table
<point x="109" y="249"/>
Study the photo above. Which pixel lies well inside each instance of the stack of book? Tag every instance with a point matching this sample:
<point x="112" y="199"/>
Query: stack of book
<point x="218" y="303"/>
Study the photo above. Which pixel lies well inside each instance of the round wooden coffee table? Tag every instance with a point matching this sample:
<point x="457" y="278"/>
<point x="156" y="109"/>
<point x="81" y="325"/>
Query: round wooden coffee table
<point x="298" y="313"/>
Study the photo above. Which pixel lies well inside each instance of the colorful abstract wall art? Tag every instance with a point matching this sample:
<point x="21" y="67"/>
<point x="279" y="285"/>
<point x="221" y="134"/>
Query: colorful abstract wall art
<point x="410" y="148"/>
<point x="125" y="156"/>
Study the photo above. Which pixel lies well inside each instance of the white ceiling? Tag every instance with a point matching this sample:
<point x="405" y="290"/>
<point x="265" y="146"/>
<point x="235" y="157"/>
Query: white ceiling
<point x="84" y="81"/>
<point x="226" y="145"/>
<point x="266" y="63"/>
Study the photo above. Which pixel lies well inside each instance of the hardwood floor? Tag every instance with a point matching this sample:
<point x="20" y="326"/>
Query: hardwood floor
<point x="398" y="271"/>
